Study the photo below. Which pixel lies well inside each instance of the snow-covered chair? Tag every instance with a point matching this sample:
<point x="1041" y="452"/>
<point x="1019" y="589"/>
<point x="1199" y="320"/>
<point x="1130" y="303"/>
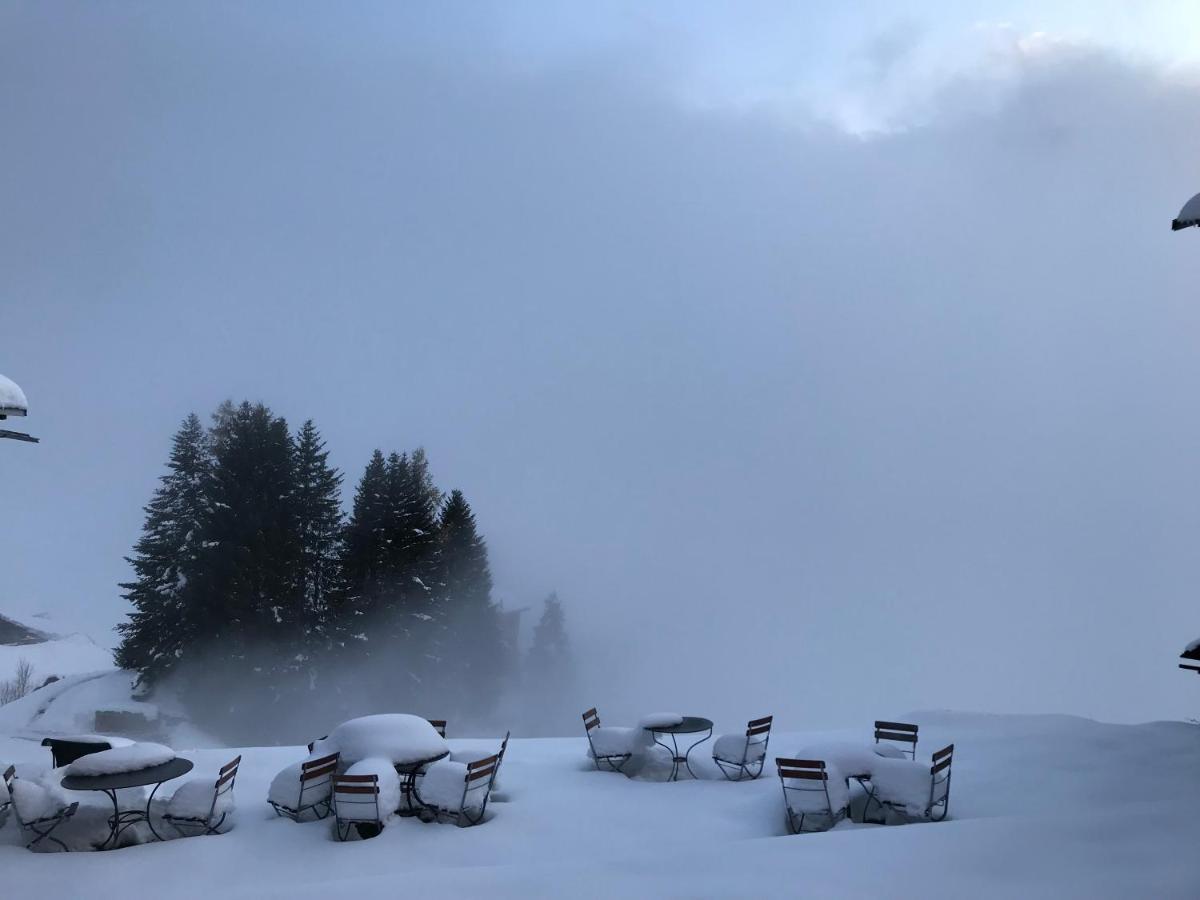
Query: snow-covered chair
<point x="807" y="797"/>
<point x="439" y="725"/>
<point x="915" y="793"/>
<point x="356" y="803"/>
<point x="6" y="794"/>
<point x="611" y="745"/>
<point x="199" y="806"/>
<point x="741" y="756"/>
<point x="304" y="787"/>
<point x="459" y="791"/>
<point x="38" y="812"/>
<point x="900" y="733"/>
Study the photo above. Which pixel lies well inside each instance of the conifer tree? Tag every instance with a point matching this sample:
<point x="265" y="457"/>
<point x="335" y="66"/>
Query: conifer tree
<point x="548" y="669"/>
<point x="319" y="528"/>
<point x="166" y="559"/>
<point x="473" y="649"/>
<point x="365" y="542"/>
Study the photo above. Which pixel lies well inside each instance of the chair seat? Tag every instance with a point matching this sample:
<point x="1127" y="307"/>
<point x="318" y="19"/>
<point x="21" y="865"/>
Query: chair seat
<point x="194" y="800"/>
<point x="731" y="748"/>
<point x="614" y="740"/>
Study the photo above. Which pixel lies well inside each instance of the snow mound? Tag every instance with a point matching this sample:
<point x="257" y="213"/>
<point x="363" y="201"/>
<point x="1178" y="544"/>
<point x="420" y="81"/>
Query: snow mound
<point x="903" y="783"/>
<point x="443" y="785"/>
<point x="32" y="801"/>
<point x="404" y="739"/>
<point x="194" y="799"/>
<point x="660" y="720"/>
<point x="12" y="398"/>
<point x="389" y="789"/>
<point x="132" y="758"/>
<point x="732" y="748"/>
<point x="285" y="787"/>
<point x="614" y="740"/>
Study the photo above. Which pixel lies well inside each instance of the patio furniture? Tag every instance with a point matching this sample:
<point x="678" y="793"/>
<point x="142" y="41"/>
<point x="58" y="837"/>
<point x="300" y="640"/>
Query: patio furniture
<point x="460" y="791"/>
<point x="122" y="820"/>
<point x="937" y="805"/>
<point x="806" y="794"/>
<point x="612" y="745"/>
<point x="6" y="796"/>
<point x="898" y="732"/>
<point x="38" y="812"/>
<point x="308" y="792"/>
<point x="687" y="725"/>
<point x="743" y="756"/>
<point x="356" y="803"/>
<point x="200" y="806"/>
<point x="439" y="725"/>
<point x="64" y="751"/>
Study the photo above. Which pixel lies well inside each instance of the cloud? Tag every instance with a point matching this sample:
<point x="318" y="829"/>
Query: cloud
<point x="904" y="417"/>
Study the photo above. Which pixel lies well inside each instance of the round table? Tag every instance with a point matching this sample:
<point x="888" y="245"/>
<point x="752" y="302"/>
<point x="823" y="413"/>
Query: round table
<point x="689" y="725"/>
<point x="122" y="820"/>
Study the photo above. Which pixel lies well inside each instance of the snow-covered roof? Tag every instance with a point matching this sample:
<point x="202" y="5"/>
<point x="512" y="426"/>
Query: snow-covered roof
<point x="12" y="398"/>
<point x="1189" y="215"/>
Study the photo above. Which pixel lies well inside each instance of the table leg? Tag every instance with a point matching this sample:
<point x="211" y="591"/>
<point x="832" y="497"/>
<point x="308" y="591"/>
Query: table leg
<point x="149" y="821"/>
<point x="693" y="747"/>
<point x="114" y="822"/>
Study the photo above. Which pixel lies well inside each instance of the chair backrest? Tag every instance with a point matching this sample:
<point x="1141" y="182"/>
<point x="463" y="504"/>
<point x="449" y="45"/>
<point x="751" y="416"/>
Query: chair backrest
<point x="500" y="755"/>
<point x="899" y="732"/>
<point x="940" y="773"/>
<point x="758" y="731"/>
<point x="439" y="725"/>
<point x="64" y="753"/>
<point x="356" y="798"/>
<point x="316" y="776"/>
<point x="58" y="810"/>
<point x="802" y="769"/>
<point x="591" y="719"/>
<point x="312" y="744"/>
<point x="228" y="775"/>
<point x="802" y="777"/>
<point x="12" y="770"/>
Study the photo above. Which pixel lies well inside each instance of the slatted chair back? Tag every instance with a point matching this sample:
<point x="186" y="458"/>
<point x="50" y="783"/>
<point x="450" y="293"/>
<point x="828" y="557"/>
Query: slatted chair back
<point x="806" y="793"/>
<point x="898" y="732"/>
<point x="758" y="734"/>
<point x="591" y="719"/>
<point x="477" y="787"/>
<point x="225" y="780"/>
<point x="439" y="725"/>
<point x="8" y="777"/>
<point x="939" y="788"/>
<point x="500" y="757"/>
<point x="355" y="800"/>
<point x="753" y="757"/>
<point x="316" y="776"/>
<point x="313" y="744"/>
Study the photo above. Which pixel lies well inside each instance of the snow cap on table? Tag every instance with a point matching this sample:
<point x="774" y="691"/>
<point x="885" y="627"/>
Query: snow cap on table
<point x="388" y="782"/>
<point x="118" y="760"/>
<point x="398" y="737"/>
<point x="660" y="720"/>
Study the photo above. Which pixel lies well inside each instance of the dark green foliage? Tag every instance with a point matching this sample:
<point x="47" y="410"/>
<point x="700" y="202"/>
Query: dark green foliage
<point x="317" y="504"/>
<point x="166" y="560"/>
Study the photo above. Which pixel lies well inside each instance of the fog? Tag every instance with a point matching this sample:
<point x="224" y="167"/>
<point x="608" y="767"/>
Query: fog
<point x="825" y="423"/>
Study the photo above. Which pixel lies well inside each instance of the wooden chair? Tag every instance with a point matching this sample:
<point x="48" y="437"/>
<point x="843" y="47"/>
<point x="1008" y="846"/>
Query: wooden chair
<point x="7" y="804"/>
<point x="478" y="777"/>
<point x="900" y="733"/>
<point x="939" y="788"/>
<point x="609" y="739"/>
<point x="738" y="759"/>
<point x="806" y="794"/>
<point x="316" y="781"/>
<point x="40" y="826"/>
<point x="439" y="725"/>
<point x="356" y="803"/>
<point x="190" y="797"/>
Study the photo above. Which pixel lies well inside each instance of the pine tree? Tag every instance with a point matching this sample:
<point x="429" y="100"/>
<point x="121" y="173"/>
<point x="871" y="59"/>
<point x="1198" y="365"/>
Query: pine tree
<point x="365" y="542"/>
<point x="166" y="560"/>
<point x="472" y="647"/>
<point x="548" y="670"/>
<point x="317" y="503"/>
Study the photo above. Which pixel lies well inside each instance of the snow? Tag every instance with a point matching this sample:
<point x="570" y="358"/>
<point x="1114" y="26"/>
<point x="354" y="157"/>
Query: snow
<point x="12" y="398"/>
<point x="443" y="785"/>
<point x="614" y="740"/>
<point x="194" y="799"/>
<point x="1192" y="647"/>
<point x="285" y="788"/>
<point x="388" y="783"/>
<point x="660" y="720"/>
<point x="399" y="737"/>
<point x="732" y="747"/>
<point x="71" y="654"/>
<point x="32" y="801"/>
<point x="904" y="783"/>
<point x="1041" y="807"/>
<point x="131" y="758"/>
<point x="1190" y="214"/>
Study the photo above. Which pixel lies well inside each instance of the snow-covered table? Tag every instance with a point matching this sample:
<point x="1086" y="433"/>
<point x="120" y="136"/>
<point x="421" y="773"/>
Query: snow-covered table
<point x="410" y="742"/>
<point x="866" y="764"/>
<point x="685" y="725"/>
<point x="121" y="820"/>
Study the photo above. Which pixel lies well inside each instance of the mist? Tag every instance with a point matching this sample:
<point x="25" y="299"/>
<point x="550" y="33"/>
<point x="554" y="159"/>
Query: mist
<point x="797" y="420"/>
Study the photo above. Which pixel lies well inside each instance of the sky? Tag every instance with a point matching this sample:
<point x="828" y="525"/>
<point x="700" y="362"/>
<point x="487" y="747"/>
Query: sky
<point x="828" y="360"/>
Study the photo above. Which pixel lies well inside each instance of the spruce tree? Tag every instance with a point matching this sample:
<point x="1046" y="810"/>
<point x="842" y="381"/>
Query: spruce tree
<point x="365" y="544"/>
<point x="166" y="559"/>
<point x="548" y="671"/>
<point x="472" y="647"/>
<point x="317" y="505"/>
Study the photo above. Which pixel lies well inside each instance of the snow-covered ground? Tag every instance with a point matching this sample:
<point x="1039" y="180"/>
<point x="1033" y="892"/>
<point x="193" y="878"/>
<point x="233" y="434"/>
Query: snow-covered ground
<point x="1041" y="806"/>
